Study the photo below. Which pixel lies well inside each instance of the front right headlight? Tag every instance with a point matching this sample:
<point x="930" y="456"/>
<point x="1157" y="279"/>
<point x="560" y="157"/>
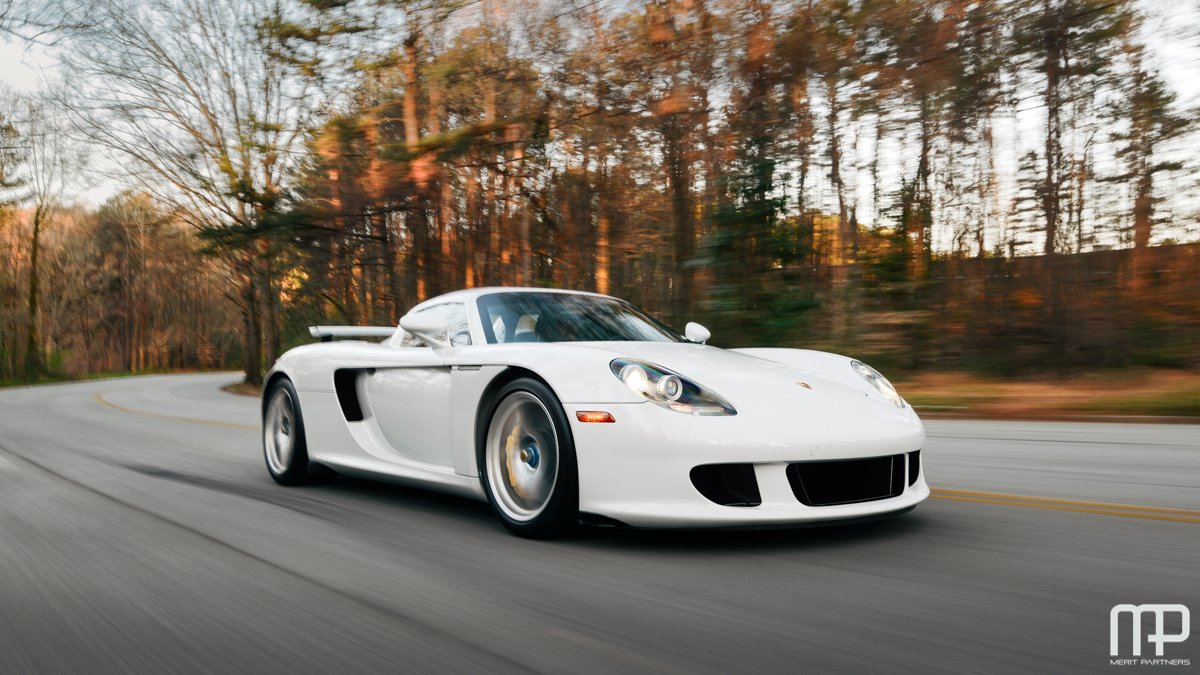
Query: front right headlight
<point x="669" y="389"/>
<point x="878" y="381"/>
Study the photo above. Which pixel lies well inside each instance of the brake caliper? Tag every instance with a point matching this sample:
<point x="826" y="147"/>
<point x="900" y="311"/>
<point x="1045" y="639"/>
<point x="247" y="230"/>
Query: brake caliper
<point x="512" y="457"/>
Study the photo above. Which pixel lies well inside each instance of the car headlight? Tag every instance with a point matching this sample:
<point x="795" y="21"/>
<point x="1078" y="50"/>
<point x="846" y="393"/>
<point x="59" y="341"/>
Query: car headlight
<point x="668" y="389"/>
<point x="878" y="381"/>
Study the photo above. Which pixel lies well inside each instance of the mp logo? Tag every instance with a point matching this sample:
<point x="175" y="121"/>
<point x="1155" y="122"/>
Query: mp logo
<point x="1159" y="637"/>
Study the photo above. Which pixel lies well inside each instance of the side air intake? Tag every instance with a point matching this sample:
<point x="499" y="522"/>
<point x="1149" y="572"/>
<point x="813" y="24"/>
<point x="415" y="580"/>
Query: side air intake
<point x="345" y="383"/>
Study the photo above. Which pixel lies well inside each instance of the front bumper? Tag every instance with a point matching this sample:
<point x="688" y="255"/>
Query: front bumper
<point x="638" y="469"/>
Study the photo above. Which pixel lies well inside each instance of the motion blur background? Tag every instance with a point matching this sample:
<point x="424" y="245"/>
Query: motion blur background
<point x="991" y="200"/>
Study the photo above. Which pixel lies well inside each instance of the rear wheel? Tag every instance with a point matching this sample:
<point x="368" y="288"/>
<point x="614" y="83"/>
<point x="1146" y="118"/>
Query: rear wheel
<point x="528" y="465"/>
<point x="284" y="446"/>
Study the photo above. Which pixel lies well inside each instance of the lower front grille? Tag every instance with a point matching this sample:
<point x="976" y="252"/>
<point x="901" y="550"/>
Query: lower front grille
<point x="847" y="481"/>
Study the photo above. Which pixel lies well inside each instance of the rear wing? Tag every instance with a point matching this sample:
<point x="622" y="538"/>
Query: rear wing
<point x="328" y="333"/>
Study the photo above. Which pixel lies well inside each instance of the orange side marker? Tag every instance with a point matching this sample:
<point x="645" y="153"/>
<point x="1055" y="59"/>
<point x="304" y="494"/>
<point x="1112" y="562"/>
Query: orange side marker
<point x="594" y="416"/>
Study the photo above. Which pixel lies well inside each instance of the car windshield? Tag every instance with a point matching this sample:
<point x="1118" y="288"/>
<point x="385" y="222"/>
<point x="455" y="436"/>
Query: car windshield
<point x="566" y="317"/>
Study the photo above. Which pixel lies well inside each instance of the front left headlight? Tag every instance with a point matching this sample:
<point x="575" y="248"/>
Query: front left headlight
<point x="669" y="389"/>
<point x="878" y="381"/>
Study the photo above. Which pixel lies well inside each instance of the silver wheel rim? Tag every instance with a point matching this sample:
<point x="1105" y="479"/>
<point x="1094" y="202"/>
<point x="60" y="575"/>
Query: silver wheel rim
<point x="522" y="456"/>
<point x="279" y="431"/>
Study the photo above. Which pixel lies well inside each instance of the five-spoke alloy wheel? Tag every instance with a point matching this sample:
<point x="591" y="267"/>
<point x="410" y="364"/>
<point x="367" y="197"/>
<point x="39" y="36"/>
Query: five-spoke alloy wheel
<point x="527" y="462"/>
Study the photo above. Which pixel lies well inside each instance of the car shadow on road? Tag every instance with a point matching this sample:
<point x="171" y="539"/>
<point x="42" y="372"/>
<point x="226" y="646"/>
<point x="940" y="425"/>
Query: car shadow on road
<point x="844" y="534"/>
<point x="340" y="500"/>
<point x="343" y="501"/>
<point x="477" y="520"/>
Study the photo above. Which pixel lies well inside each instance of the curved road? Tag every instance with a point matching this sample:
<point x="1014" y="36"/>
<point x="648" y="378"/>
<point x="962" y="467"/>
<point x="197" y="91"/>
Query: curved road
<point x="139" y="532"/>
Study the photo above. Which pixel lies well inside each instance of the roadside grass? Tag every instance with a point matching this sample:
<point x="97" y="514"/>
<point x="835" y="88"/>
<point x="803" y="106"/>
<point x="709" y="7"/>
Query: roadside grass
<point x="243" y="388"/>
<point x="1163" y="393"/>
<point x="61" y="378"/>
<point x="54" y="378"/>
<point x="1176" y="403"/>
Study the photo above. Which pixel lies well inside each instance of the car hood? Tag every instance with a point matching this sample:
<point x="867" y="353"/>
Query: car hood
<point x="755" y="385"/>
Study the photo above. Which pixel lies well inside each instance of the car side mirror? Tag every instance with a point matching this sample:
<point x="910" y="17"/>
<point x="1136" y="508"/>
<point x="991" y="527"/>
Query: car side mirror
<point x="694" y="332"/>
<point x="430" y="327"/>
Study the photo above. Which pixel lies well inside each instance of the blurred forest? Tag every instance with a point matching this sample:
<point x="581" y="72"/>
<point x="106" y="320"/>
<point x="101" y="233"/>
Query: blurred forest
<point x="1004" y="186"/>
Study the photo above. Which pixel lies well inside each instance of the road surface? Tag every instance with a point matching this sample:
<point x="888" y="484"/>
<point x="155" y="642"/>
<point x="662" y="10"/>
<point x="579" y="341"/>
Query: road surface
<point x="139" y="532"/>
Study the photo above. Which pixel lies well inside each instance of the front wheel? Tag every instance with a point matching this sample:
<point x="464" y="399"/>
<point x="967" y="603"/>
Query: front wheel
<point x="527" y="466"/>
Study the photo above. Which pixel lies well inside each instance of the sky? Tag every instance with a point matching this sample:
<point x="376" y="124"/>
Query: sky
<point x="28" y="69"/>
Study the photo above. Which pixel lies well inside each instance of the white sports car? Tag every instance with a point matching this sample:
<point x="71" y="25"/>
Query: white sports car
<point x="560" y="406"/>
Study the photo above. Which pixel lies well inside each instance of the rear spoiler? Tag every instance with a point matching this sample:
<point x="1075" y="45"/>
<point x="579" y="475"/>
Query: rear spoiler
<point x="328" y="333"/>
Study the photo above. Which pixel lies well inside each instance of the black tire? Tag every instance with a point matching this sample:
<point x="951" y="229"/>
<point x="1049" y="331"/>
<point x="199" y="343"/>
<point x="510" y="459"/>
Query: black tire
<point x="556" y="515"/>
<point x="292" y="467"/>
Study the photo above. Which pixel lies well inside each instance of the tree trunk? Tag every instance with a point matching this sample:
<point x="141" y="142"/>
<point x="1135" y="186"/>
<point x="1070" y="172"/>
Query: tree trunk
<point x="252" y="335"/>
<point x="603" y="233"/>
<point x="845" y="236"/>
<point x="272" y="343"/>
<point x="417" y="220"/>
<point x="33" y="353"/>
<point x="449" y="232"/>
<point x="602" y="251"/>
<point x="1051" y="207"/>
<point x="844" y="253"/>
<point x="443" y="230"/>
<point x="922" y="221"/>
<point x="251" y="272"/>
<point x="490" y="274"/>
<point x="1143" y="222"/>
<point x="989" y="187"/>
<point x="1051" y="204"/>
<point x="523" y="246"/>
<point x="129" y="312"/>
<point x="509" y="244"/>
<point x="683" y="224"/>
<point x="472" y="233"/>
<point x="1143" y="211"/>
<point x="804" y="141"/>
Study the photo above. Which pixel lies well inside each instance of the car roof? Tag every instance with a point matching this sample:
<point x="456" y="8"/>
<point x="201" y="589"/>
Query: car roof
<point x="467" y="295"/>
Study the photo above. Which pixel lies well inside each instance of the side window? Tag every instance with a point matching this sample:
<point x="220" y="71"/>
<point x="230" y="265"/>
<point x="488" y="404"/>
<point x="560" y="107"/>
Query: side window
<point x="459" y="327"/>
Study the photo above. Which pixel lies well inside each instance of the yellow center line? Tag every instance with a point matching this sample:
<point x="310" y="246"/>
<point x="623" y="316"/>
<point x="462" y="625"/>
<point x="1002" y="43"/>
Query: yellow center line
<point x="99" y="398"/>
<point x="1070" y="505"/>
<point x="1065" y="502"/>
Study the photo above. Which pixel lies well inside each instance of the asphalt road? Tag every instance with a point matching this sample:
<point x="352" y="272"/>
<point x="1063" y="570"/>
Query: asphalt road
<point x="139" y="532"/>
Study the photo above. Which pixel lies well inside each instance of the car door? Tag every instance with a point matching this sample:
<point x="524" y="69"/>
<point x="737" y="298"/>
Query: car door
<point x="409" y="402"/>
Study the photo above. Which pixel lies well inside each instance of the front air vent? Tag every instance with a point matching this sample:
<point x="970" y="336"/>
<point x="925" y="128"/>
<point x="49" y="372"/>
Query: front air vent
<point x="847" y="481"/>
<point x="727" y="484"/>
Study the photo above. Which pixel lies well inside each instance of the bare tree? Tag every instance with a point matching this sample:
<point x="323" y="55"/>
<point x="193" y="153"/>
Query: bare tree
<point x="191" y="98"/>
<point x="1151" y="121"/>
<point x="12" y="192"/>
<point x="46" y="163"/>
<point x="37" y="21"/>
